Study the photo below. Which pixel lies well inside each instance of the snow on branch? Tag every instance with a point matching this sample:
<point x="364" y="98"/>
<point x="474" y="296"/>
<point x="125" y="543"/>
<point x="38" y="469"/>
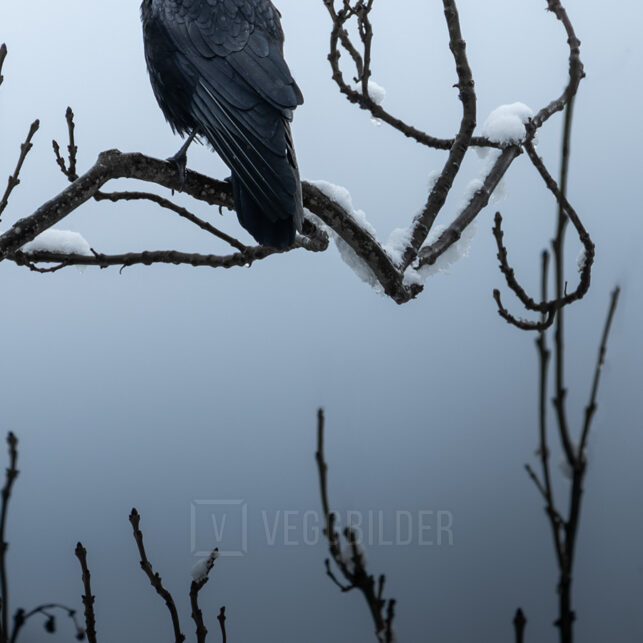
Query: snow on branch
<point x="396" y="268"/>
<point x="506" y="124"/>
<point x="59" y="241"/>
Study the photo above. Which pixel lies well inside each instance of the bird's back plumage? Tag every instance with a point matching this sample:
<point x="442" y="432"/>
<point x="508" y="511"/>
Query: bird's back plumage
<point x="217" y="66"/>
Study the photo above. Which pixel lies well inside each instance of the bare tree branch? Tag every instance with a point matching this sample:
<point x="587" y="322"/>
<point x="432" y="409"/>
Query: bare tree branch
<point x="590" y="409"/>
<point x="3" y="55"/>
<point x="353" y="565"/>
<point x="154" y="578"/>
<point x="14" y="180"/>
<point x="21" y="618"/>
<point x="68" y="168"/>
<point x="360" y="95"/>
<point x="222" y="619"/>
<point x="424" y="221"/>
<point x="88" y="597"/>
<point x="520" y="622"/>
<point x="195" y="588"/>
<point x="116" y="197"/>
<point x="10" y="478"/>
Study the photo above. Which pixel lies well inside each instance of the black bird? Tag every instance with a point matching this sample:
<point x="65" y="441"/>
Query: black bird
<point x="218" y="72"/>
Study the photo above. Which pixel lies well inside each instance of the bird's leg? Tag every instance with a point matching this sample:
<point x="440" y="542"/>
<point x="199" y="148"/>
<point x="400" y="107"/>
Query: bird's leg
<point x="180" y="159"/>
<point x="226" y="180"/>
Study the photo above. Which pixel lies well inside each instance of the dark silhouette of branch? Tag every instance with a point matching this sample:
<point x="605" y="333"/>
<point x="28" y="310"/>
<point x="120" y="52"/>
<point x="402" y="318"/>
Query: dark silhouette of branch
<point x="590" y="409"/>
<point x="564" y="524"/>
<point x="197" y="585"/>
<point x="116" y="197"/>
<point x="520" y="622"/>
<point x="10" y="633"/>
<point x="10" y="478"/>
<point x="21" y="617"/>
<point x="352" y="565"/>
<point x="222" y="619"/>
<point x="68" y="168"/>
<point x="3" y="55"/>
<point x="424" y="221"/>
<point x="88" y="597"/>
<point x="154" y="577"/>
<point x="576" y="70"/>
<point x="360" y="95"/>
<point x="14" y="179"/>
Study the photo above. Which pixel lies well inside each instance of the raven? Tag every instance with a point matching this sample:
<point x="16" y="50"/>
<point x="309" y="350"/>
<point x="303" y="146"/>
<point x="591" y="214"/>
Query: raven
<point x="218" y="72"/>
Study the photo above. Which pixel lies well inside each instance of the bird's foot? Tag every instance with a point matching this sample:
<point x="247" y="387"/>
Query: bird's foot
<point x="180" y="163"/>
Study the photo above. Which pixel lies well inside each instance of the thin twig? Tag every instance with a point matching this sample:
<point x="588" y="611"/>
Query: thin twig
<point x="10" y="479"/>
<point x="520" y="622"/>
<point x="222" y="619"/>
<point x="424" y="221"/>
<point x="21" y="617"/>
<point x="154" y="577"/>
<point x="14" y="180"/>
<point x="353" y="567"/>
<point x="3" y="56"/>
<point x="68" y="168"/>
<point x="195" y="588"/>
<point x="360" y="96"/>
<point x="88" y="597"/>
<point x="115" y="197"/>
<point x="590" y="409"/>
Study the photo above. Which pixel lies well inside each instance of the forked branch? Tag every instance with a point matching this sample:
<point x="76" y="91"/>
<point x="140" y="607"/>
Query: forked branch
<point x="352" y="565"/>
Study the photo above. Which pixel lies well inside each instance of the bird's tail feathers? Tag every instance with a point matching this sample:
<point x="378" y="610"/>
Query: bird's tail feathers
<point x="279" y="233"/>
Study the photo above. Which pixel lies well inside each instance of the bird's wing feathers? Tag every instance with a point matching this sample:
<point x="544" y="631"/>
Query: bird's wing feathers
<point x="244" y="93"/>
<point x="247" y="34"/>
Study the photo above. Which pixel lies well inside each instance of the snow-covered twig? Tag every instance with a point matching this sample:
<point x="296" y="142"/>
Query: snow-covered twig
<point x="200" y="576"/>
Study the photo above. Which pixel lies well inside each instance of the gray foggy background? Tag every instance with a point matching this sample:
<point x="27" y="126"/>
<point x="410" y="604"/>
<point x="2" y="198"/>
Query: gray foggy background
<point x="162" y="386"/>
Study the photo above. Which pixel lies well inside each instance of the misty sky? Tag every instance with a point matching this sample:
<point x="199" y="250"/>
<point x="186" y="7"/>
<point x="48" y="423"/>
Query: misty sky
<point x="163" y="386"/>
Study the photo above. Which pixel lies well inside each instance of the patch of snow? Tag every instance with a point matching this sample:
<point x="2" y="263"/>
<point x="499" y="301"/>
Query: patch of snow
<point x="397" y="243"/>
<point x="581" y="260"/>
<point x="506" y="124"/>
<point x="445" y="261"/>
<point x="201" y="570"/>
<point x="60" y="241"/>
<point x="433" y="179"/>
<point x="343" y="198"/>
<point x="376" y="92"/>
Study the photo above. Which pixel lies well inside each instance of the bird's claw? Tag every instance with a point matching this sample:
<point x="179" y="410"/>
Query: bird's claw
<point x="180" y="162"/>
